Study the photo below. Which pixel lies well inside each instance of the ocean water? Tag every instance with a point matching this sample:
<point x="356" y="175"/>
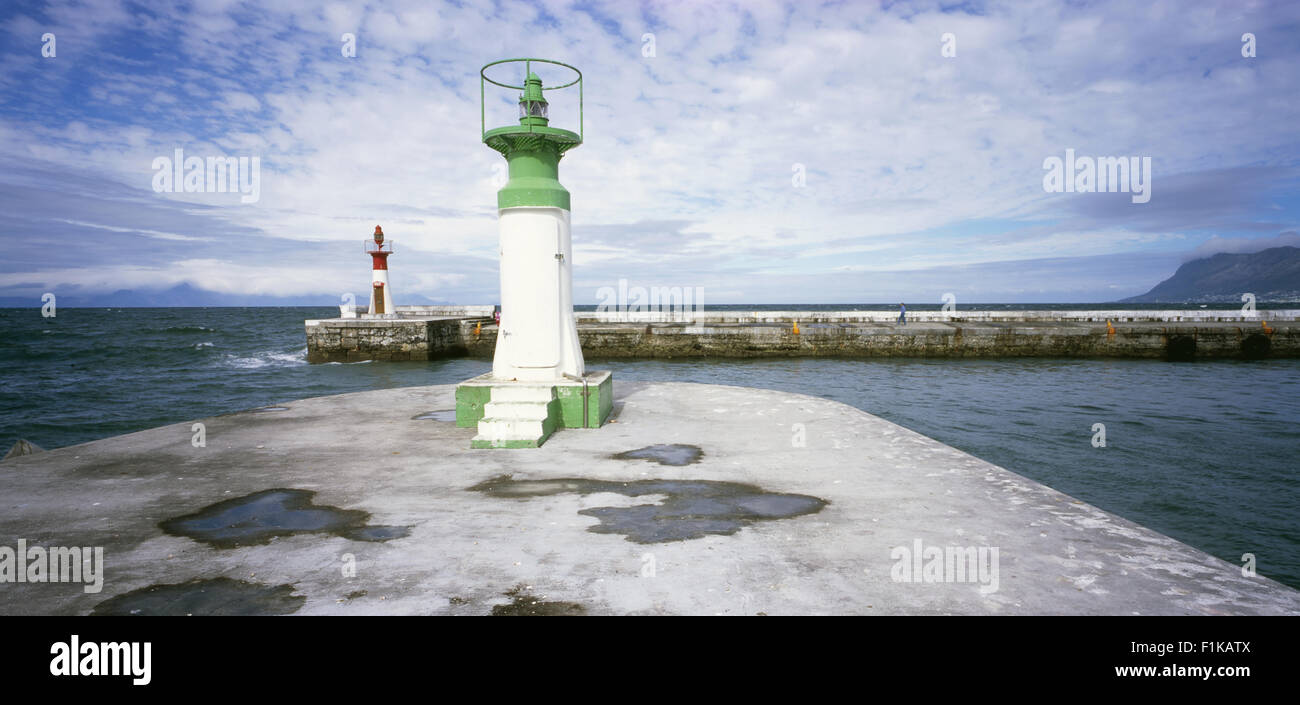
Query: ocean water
<point x="1206" y="452"/>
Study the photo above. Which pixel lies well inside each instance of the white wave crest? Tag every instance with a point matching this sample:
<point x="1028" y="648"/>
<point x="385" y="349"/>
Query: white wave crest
<point x="268" y="359"/>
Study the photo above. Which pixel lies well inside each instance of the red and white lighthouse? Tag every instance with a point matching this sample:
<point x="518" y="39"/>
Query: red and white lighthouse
<point x="381" y="295"/>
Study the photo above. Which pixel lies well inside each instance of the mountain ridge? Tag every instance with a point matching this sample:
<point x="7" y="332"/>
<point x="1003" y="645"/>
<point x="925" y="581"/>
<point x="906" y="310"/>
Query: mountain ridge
<point x="1271" y="275"/>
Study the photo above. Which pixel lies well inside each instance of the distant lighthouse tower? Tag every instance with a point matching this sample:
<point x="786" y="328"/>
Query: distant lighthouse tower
<point x="538" y="381"/>
<point x="381" y="295"/>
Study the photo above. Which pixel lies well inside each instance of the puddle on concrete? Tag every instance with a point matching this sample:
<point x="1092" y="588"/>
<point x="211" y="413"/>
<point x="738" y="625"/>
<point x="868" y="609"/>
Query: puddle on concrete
<point x="692" y="508"/>
<point x="221" y="597"/>
<point x="259" y="517"/>
<point x="377" y="533"/>
<point x="443" y="415"/>
<point x="524" y="605"/>
<point x="664" y="454"/>
<point x="265" y="409"/>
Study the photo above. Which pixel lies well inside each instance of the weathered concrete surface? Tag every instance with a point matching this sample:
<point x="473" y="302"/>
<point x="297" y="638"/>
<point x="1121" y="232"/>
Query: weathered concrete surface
<point x="23" y="447"/>
<point x="479" y="552"/>
<point x="1177" y="334"/>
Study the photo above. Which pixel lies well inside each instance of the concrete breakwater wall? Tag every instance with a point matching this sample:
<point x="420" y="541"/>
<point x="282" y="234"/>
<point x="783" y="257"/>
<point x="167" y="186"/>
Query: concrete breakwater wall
<point x="360" y="339"/>
<point x="1178" y="335"/>
<point x="431" y="311"/>
<point x="956" y="316"/>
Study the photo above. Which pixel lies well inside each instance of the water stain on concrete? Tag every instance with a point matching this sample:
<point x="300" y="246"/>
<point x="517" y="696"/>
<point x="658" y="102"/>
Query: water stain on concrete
<point x="376" y="533"/>
<point x="676" y="454"/>
<point x="221" y="597"/>
<point x="259" y="517"/>
<point x="441" y="415"/>
<point x="524" y="605"/>
<point x="691" y="508"/>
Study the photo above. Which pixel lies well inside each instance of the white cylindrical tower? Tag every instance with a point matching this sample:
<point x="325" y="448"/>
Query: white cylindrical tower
<point x="537" y="339"/>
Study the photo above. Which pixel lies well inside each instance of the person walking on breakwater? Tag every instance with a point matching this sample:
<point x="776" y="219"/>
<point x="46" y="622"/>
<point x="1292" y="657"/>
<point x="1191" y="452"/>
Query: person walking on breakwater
<point x="902" y="314"/>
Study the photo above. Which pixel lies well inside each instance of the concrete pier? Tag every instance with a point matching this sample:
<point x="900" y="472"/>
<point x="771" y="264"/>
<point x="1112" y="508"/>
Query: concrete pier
<point x="1169" y="334"/>
<point x="410" y="333"/>
<point x="693" y="499"/>
<point x="355" y="340"/>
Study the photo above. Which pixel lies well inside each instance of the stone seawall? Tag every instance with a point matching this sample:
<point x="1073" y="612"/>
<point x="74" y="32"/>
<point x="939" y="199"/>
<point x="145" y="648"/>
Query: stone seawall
<point x="356" y="340"/>
<point x="1178" y="335"/>
<point x="960" y="316"/>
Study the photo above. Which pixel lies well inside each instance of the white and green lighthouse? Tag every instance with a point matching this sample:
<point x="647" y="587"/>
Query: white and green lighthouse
<point x="538" y="382"/>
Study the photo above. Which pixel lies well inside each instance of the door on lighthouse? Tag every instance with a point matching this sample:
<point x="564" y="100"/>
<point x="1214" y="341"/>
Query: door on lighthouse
<point x="530" y="284"/>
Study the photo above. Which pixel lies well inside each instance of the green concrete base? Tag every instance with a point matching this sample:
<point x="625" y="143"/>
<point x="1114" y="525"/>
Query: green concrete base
<point x="600" y="401"/>
<point x="565" y="411"/>
<point x="470" y="400"/>
<point x="509" y="444"/>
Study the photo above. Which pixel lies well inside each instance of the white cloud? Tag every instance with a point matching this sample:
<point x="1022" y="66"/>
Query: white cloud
<point x="1241" y="245"/>
<point x="156" y="234"/>
<point x="239" y="100"/>
<point x="901" y="145"/>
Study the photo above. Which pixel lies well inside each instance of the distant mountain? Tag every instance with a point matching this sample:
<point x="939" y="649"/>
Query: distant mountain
<point x="185" y="294"/>
<point x="1271" y="275"/>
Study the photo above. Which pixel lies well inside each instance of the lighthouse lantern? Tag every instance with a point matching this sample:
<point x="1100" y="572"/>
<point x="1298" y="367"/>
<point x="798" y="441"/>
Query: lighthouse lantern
<point x="532" y="102"/>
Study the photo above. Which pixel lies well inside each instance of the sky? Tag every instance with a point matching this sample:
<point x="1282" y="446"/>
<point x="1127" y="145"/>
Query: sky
<point x="764" y="152"/>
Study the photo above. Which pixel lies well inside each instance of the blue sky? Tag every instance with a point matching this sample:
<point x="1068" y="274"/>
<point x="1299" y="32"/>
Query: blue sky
<point x="923" y="173"/>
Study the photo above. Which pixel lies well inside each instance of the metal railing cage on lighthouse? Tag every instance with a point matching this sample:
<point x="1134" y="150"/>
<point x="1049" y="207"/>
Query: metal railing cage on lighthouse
<point x="373" y="247"/>
<point x="528" y="67"/>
